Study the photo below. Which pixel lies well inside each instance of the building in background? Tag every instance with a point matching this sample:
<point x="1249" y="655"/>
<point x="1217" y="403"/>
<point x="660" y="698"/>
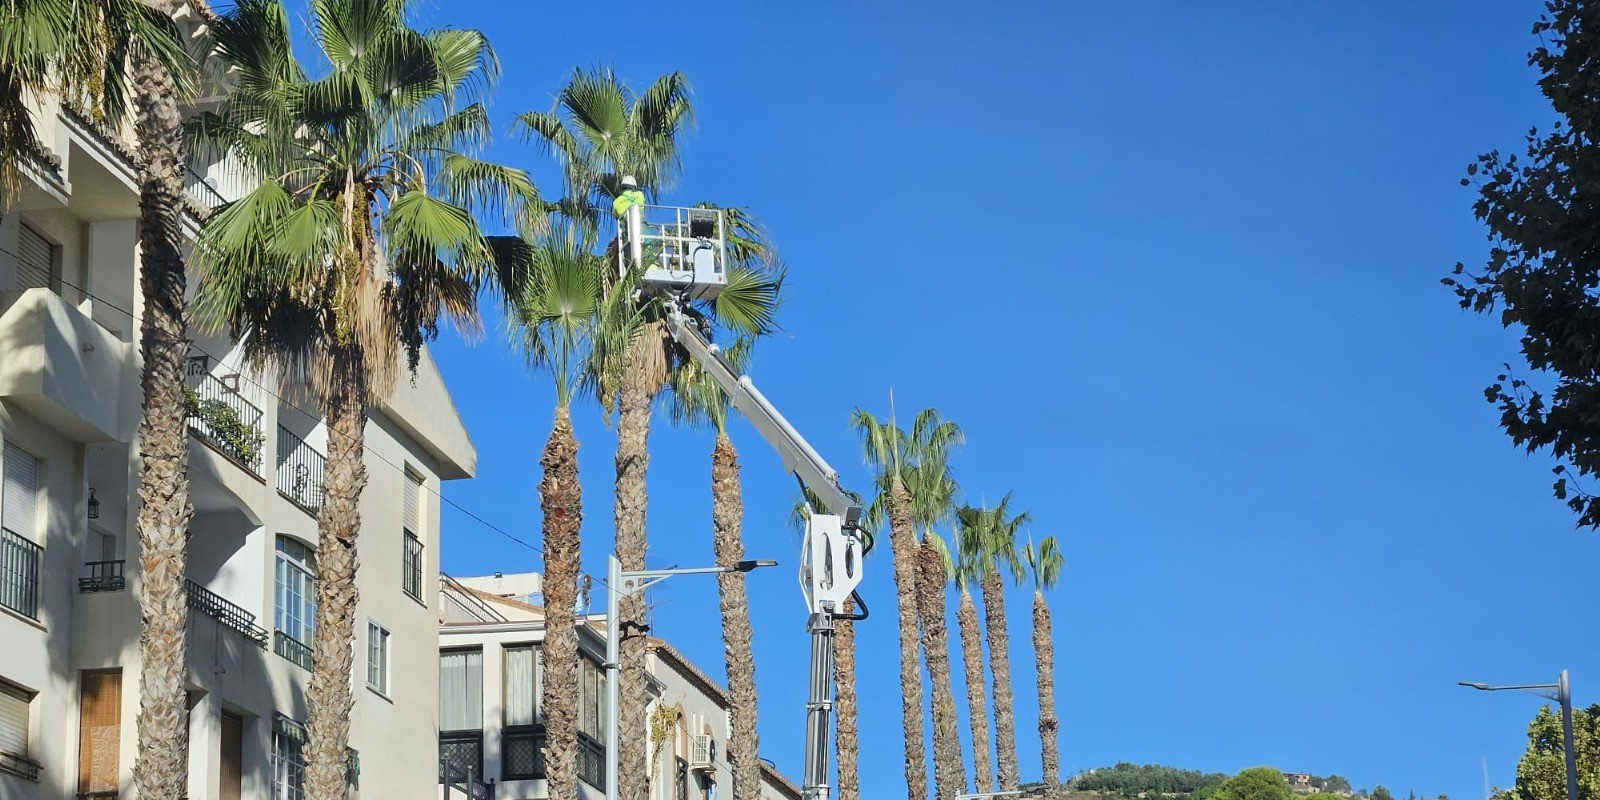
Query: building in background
<point x="69" y="556"/>
<point x="491" y="733"/>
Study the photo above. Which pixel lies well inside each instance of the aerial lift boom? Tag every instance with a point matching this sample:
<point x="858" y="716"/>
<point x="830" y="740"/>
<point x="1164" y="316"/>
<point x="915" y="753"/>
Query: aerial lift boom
<point x="681" y="255"/>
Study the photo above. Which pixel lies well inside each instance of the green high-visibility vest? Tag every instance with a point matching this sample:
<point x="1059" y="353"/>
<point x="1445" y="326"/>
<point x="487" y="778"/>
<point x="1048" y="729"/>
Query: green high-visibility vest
<point x="629" y="198"/>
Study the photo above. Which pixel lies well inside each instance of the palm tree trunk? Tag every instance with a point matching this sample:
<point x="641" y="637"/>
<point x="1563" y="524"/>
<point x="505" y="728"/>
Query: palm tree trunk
<point x="161" y="767"/>
<point x="949" y="773"/>
<point x="977" y="704"/>
<point x="904" y="548"/>
<point x="1044" y="661"/>
<point x="1005" y="723"/>
<point x="338" y="524"/>
<point x="561" y="498"/>
<point x="844" y="705"/>
<point x="633" y="459"/>
<point x="727" y="526"/>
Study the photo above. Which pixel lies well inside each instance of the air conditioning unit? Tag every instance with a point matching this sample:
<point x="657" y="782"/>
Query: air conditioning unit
<point x="702" y="750"/>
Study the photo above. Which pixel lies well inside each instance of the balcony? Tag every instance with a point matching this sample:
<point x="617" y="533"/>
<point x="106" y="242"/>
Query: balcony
<point x="21" y="766"/>
<point x="101" y="576"/>
<point x="19" y="574"/>
<point x="213" y="605"/>
<point x="292" y="649"/>
<point x="223" y="419"/>
<point x="62" y="366"/>
<point x="300" y="471"/>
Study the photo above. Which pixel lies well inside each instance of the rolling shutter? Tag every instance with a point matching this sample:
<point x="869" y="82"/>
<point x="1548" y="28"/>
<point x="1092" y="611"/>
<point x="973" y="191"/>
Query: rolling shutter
<point x="99" y="731"/>
<point x="13" y="721"/>
<point x="20" y="496"/>
<point x="413" y="510"/>
<point x="35" y="260"/>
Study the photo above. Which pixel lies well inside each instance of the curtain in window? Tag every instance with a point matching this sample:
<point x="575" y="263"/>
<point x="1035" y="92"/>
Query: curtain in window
<point x="522" y="691"/>
<point x="461" y="690"/>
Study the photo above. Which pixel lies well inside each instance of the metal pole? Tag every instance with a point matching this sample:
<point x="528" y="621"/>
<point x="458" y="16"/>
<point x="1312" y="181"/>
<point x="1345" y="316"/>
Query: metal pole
<point x="613" y="599"/>
<point x="819" y="706"/>
<point x="1564" y="695"/>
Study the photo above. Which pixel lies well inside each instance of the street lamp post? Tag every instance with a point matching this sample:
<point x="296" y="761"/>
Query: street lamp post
<point x="622" y="583"/>
<point x="1563" y="696"/>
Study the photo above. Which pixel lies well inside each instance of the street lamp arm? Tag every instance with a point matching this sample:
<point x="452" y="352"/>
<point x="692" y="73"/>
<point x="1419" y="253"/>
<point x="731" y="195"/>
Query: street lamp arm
<point x="1487" y="688"/>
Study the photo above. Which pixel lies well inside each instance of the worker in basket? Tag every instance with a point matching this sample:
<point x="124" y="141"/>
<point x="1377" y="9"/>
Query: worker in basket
<point x="628" y="198"/>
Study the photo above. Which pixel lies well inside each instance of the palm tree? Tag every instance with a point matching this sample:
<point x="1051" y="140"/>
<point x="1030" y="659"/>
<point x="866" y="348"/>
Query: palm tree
<point x="602" y="132"/>
<point x="556" y="300"/>
<point x="989" y="543"/>
<point x="360" y="236"/>
<point x="884" y="447"/>
<point x="964" y="571"/>
<point x="932" y="494"/>
<point x="161" y="766"/>
<point x="79" y="51"/>
<point x="1044" y="563"/>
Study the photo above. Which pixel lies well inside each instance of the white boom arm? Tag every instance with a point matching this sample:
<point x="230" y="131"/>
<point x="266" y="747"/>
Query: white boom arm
<point x="798" y="456"/>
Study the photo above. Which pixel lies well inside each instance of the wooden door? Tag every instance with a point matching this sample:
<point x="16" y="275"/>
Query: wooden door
<point x="100" y="731"/>
<point x="232" y="757"/>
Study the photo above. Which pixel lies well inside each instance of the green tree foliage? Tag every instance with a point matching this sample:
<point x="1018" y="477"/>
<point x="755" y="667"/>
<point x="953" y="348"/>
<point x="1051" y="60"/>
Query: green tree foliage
<point x="1380" y="793"/>
<point x="1131" y="780"/>
<point x="1336" y="784"/>
<point x="1256" y="783"/>
<point x="1541" y="273"/>
<point x="1542" y="772"/>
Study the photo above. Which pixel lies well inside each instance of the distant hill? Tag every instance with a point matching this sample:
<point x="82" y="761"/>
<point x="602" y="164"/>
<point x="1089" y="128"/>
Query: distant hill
<point x="1146" y="781"/>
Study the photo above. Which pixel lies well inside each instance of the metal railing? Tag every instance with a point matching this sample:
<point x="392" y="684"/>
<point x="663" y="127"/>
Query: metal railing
<point x="202" y="190"/>
<point x="19" y="573"/>
<point x="300" y="471"/>
<point x="591" y="761"/>
<point x="411" y="566"/>
<point x="101" y="576"/>
<point x="223" y="183"/>
<point x="108" y="795"/>
<point x="470" y="783"/>
<point x="213" y="605"/>
<point x="19" y="765"/>
<point x="225" y="420"/>
<point x="522" y="753"/>
<point x="460" y="753"/>
<point x="296" y="651"/>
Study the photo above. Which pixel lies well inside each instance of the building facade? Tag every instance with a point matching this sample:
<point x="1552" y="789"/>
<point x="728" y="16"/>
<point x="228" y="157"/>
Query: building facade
<point x="69" y="553"/>
<point x="491" y="729"/>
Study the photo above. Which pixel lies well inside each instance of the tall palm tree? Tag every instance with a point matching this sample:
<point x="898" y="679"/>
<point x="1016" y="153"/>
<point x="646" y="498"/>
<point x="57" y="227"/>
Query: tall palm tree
<point x="697" y="399"/>
<point x="360" y="236"/>
<point x="79" y="51"/>
<point x="932" y="494"/>
<point x="1044" y="563"/>
<point x="884" y="447"/>
<point x="989" y="544"/>
<point x="556" y="301"/>
<point x="964" y="571"/>
<point x="602" y="132"/>
<point x="161" y="766"/>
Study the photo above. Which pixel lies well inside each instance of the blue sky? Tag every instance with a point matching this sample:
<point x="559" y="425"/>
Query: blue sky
<point x="1175" y="271"/>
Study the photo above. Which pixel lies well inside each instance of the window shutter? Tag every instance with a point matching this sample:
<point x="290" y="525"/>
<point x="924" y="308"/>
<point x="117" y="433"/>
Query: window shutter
<point x="35" y="260"/>
<point x="20" y="495"/>
<point x="413" y="490"/>
<point x="13" y="721"/>
<point x="99" y="731"/>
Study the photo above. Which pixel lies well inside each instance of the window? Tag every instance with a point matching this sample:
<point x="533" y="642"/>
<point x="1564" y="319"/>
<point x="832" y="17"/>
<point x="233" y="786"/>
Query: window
<point x="288" y="763"/>
<point x="296" y="617"/>
<point x="460" y="714"/>
<point x="38" y="261"/>
<point x="378" y="658"/>
<point x="19" y="553"/>
<point x="99" y="731"/>
<point x="522" y="741"/>
<point x="411" y="555"/>
<point x="591" y="714"/>
<point x="14" y="703"/>
<point x="682" y="779"/>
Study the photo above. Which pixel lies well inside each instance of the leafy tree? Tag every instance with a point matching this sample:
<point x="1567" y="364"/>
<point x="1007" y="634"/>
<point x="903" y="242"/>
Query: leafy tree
<point x="1256" y="783"/>
<point x="1380" y="793"/>
<point x="1132" y="780"/>
<point x="1542" y="771"/>
<point x="339" y="265"/>
<point x="1323" y="796"/>
<point x="1337" y="784"/>
<point x="1541" y="275"/>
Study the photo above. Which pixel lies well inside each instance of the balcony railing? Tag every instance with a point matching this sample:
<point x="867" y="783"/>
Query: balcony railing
<point x="21" y="766"/>
<point x="291" y="648"/>
<point x="213" y="605"/>
<point x="460" y="754"/>
<point x="225" y="420"/>
<point x="522" y="753"/>
<point x="101" y="576"/>
<point x="411" y="566"/>
<point x="19" y="574"/>
<point x="300" y="471"/>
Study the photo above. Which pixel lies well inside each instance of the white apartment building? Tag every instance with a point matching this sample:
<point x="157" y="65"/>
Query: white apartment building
<point x="491" y="732"/>
<point x="69" y="554"/>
